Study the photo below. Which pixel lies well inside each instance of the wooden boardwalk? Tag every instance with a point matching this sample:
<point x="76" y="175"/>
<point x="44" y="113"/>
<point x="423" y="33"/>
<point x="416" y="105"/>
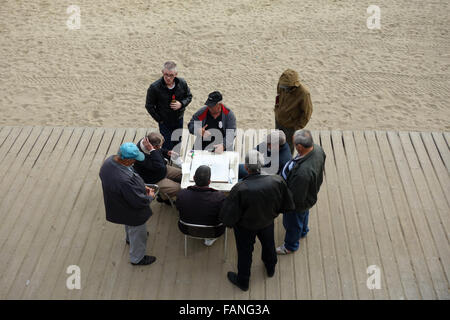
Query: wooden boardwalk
<point x="384" y="201"/>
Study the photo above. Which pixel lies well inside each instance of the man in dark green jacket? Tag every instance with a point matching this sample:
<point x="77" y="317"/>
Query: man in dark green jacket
<point x="304" y="176"/>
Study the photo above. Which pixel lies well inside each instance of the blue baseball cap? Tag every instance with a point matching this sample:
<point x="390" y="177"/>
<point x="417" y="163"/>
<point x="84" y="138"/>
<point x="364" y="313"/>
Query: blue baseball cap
<point x="129" y="150"/>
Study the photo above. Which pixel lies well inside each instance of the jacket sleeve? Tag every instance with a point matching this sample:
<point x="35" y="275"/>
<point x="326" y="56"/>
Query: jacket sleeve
<point x="299" y="185"/>
<point x="150" y="104"/>
<point x="134" y="194"/>
<point x="231" y="126"/>
<point x="191" y="123"/>
<point x="306" y="106"/>
<point x="188" y="97"/>
<point x="287" y="203"/>
<point x="231" y="211"/>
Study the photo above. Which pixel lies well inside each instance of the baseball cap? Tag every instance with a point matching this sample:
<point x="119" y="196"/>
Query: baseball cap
<point x="129" y="150"/>
<point x="213" y="98"/>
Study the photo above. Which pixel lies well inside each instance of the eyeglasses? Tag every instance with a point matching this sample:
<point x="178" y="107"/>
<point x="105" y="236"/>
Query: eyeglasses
<point x="167" y="75"/>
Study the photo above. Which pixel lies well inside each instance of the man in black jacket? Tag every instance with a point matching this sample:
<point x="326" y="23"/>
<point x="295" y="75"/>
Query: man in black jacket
<point x="201" y="204"/>
<point x="250" y="209"/>
<point x="304" y="176"/>
<point x="154" y="168"/>
<point x="127" y="199"/>
<point x="167" y="99"/>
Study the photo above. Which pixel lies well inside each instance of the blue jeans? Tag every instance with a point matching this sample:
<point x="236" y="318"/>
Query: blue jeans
<point x="296" y="225"/>
<point x="166" y="130"/>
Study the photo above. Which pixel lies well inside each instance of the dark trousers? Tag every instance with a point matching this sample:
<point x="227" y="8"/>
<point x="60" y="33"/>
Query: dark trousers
<point x="289" y="132"/>
<point x="245" y="241"/>
<point x="166" y="129"/>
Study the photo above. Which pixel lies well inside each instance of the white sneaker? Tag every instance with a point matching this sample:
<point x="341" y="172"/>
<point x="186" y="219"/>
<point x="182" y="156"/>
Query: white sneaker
<point x="282" y="250"/>
<point x="209" y="242"/>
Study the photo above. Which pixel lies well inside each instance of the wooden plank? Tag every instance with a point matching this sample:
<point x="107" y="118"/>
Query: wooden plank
<point x="363" y="213"/>
<point x="4" y="133"/>
<point x="35" y="172"/>
<point x="432" y="217"/>
<point x="389" y="269"/>
<point x="41" y="199"/>
<point x="80" y="219"/>
<point x="346" y="270"/>
<point x="329" y="270"/>
<point x="47" y="232"/>
<point x="15" y="156"/>
<point x="420" y="221"/>
<point x="93" y="259"/>
<point x="442" y="146"/>
<point x="433" y="183"/>
<point x="124" y="278"/>
<point x="352" y="219"/>
<point x="116" y="267"/>
<point x="418" y="260"/>
<point x="16" y="179"/>
<point x="6" y="152"/>
<point x="12" y="183"/>
<point x="441" y="172"/>
<point x="392" y="219"/>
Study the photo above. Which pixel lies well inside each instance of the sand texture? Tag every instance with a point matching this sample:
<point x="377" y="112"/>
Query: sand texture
<point x="395" y="78"/>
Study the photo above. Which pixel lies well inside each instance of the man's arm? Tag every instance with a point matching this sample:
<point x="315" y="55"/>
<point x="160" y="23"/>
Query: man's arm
<point x="150" y="104"/>
<point x="230" y="132"/>
<point x="287" y="203"/>
<point x="188" y="98"/>
<point x="299" y="186"/>
<point x="231" y="211"/>
<point x="134" y="194"/>
<point x="306" y="107"/>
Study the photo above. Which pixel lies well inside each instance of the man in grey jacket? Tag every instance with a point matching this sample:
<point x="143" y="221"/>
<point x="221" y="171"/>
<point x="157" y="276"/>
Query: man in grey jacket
<point x="214" y="125"/>
<point x="304" y="176"/>
<point x="127" y="199"/>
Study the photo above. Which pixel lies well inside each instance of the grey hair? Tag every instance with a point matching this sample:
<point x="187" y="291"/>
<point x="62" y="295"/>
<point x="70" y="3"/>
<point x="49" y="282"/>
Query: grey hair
<point x="155" y="138"/>
<point x="254" y="161"/>
<point x="276" y="136"/>
<point x="304" y="138"/>
<point x="170" y="65"/>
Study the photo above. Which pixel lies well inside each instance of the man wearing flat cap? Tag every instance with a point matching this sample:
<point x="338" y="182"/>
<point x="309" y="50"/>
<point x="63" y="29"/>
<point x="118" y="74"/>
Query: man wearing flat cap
<point x="127" y="199"/>
<point x="293" y="106"/>
<point x="214" y="125"/>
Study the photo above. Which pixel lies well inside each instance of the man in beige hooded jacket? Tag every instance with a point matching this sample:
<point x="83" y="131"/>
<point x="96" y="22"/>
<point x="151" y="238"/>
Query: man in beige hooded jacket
<point x="293" y="106"/>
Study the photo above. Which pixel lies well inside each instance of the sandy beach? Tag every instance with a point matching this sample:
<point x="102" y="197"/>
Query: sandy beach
<point x="395" y="78"/>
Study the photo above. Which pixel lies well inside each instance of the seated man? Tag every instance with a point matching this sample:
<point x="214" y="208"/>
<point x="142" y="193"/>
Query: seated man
<point x="154" y="169"/>
<point x="214" y="125"/>
<point x="276" y="146"/>
<point x="200" y="204"/>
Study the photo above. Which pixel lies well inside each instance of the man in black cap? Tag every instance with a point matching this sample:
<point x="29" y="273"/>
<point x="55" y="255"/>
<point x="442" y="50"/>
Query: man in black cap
<point x="214" y="125"/>
<point x="167" y="99"/>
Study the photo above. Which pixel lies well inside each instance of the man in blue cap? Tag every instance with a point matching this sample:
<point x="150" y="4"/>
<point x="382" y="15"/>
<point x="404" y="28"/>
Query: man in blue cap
<point x="127" y="199"/>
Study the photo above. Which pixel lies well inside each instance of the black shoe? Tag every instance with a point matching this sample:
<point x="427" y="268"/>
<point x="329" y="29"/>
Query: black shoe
<point x="232" y="276"/>
<point x="146" y="260"/>
<point x="270" y="272"/>
<point x="128" y="242"/>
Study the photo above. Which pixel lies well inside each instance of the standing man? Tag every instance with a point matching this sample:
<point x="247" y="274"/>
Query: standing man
<point x="127" y="200"/>
<point x="167" y="99"/>
<point x="293" y="106"/>
<point x="214" y="125"/>
<point x="250" y="209"/>
<point x="304" y="176"/>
